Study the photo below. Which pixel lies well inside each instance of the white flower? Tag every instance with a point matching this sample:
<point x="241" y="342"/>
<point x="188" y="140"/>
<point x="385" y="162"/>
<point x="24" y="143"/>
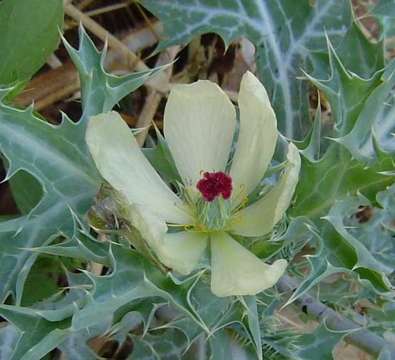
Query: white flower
<point x="199" y="127"/>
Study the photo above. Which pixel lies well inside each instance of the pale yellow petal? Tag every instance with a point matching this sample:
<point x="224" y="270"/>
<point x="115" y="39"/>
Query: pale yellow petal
<point x="179" y="251"/>
<point x="257" y="137"/>
<point x="122" y="164"/>
<point x="199" y="124"/>
<point x="151" y="228"/>
<point x="260" y="217"/>
<point x="237" y="271"/>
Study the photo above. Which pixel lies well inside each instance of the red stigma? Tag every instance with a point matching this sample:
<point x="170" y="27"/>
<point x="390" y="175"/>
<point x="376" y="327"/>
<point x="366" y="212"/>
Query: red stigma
<point x="215" y="184"/>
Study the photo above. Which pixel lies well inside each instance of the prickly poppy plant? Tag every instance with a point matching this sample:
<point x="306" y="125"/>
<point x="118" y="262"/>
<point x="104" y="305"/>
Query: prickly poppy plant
<point x="230" y="196"/>
<point x="211" y="205"/>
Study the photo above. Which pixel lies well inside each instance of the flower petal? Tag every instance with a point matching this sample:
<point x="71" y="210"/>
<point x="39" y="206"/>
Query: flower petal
<point x="237" y="271"/>
<point x="151" y="228"/>
<point x="199" y="124"/>
<point x="121" y="162"/>
<point x="179" y="251"/>
<point x="257" y="137"/>
<point x="260" y="217"/>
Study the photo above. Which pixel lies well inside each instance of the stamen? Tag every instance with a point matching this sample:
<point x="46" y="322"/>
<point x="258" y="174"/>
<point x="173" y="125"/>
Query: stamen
<point x="215" y="184"/>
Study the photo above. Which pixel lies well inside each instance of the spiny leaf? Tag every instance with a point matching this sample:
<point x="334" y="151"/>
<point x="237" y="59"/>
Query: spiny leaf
<point x="132" y="278"/>
<point x="26" y="191"/>
<point x="81" y="246"/>
<point x="360" y="105"/>
<point x="384" y="11"/>
<point x="346" y="91"/>
<point x="75" y="345"/>
<point x="312" y="144"/>
<point x="321" y="263"/>
<point x="368" y="135"/>
<point x="38" y="336"/>
<point x="167" y="345"/>
<point x="45" y="271"/>
<point x="317" y="345"/>
<point x="58" y="158"/>
<point x="285" y="33"/>
<point x="100" y="91"/>
<point x="213" y="311"/>
<point x="359" y="54"/>
<point x="359" y="238"/>
<point x="9" y="336"/>
<point x="367" y="229"/>
<point x="160" y="158"/>
<point x="337" y="174"/>
<point x="375" y="125"/>
<point x="253" y="323"/>
<point x="225" y="345"/>
<point x="387" y="353"/>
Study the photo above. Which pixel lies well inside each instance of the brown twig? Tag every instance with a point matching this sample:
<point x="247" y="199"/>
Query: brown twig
<point x="148" y="21"/>
<point x="49" y="87"/>
<point x="154" y="97"/>
<point x="105" y="9"/>
<point x="85" y="3"/>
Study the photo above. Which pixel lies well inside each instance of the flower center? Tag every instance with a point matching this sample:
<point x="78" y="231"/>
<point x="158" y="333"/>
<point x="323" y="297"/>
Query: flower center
<point x="213" y="209"/>
<point x="214" y="184"/>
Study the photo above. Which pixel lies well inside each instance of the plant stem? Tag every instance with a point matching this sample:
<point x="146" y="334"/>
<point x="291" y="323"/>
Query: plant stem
<point x="358" y="336"/>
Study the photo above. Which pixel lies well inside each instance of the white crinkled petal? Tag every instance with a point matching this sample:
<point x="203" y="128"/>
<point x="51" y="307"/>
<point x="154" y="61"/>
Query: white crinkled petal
<point x="257" y="137"/>
<point x="260" y="217"/>
<point x="199" y="124"/>
<point x="237" y="271"/>
<point x="179" y="251"/>
<point x="121" y="163"/>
